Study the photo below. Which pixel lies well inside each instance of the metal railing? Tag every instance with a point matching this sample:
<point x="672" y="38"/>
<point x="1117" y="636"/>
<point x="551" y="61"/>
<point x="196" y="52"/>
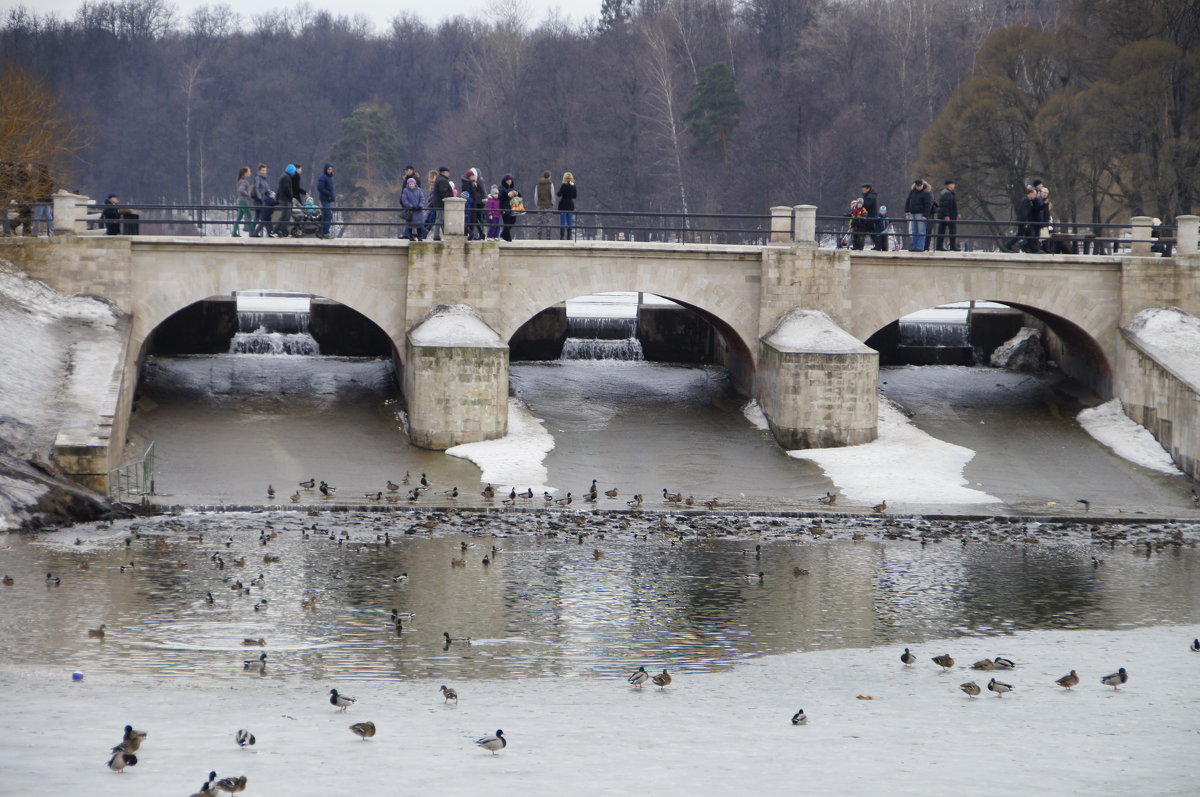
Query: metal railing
<point x="133" y="481"/>
<point x="1055" y="237"/>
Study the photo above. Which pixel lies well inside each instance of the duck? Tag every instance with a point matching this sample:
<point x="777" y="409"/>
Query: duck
<point x="255" y="665"/>
<point x="493" y="743"/>
<point x="208" y="598"/>
<point x="1068" y="680"/>
<point x="662" y="680"/>
<point x="999" y="687"/>
<point x="53" y="580"/>
<point x="527" y="495"/>
<point x="244" y="738"/>
<point x="1004" y="664"/>
<point x="1116" y="679"/>
<point x="308" y="485"/>
<point x="971" y="688"/>
<point x="672" y="498"/>
<point x="611" y="493"/>
<point x="270" y="493"/>
<point x="639" y="677"/>
<point x="254" y="642"/>
<point x="400" y="579"/>
<point x="231" y="785"/>
<point x="880" y="507"/>
<point x="489" y="492"/>
<point x="712" y="503"/>
<point x="1195" y="642"/>
<point x="829" y="499"/>
<point x="392" y="486"/>
<point x="120" y="759"/>
<point x="8" y="581"/>
<point x="456" y="640"/>
<point x="206" y="790"/>
<point x="131" y="740"/>
<point x="327" y="491"/>
<point x="375" y="496"/>
<point x="800" y="571"/>
<point x="97" y="633"/>
<point x="908" y="659"/>
<point x="295" y="497"/>
<point x="363" y="730"/>
<point x="944" y="661"/>
<point x="565" y="501"/>
<point x="984" y="664"/>
<point x="449" y="694"/>
<point x="636" y="501"/>
<point x="597" y="554"/>
<point x="407" y="478"/>
<point x="452" y="493"/>
<point x="270" y="558"/>
<point x="342" y="702"/>
<point x="799" y="718"/>
<point x="754" y="578"/>
<point x="458" y="562"/>
<point x="261" y="606"/>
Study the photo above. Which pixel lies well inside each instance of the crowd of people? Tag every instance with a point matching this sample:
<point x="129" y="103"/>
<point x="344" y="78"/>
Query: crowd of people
<point x="490" y="212"/>
<point x="869" y="219"/>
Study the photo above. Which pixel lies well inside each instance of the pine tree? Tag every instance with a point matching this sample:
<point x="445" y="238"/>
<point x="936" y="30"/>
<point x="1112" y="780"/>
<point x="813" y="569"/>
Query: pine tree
<point x="712" y="115"/>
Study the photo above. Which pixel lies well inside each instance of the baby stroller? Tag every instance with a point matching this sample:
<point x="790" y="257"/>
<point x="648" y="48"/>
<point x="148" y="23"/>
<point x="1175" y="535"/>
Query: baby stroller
<point x="306" y="218"/>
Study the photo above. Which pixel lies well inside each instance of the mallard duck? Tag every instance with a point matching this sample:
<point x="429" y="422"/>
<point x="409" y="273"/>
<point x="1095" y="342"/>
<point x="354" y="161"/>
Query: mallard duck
<point x="489" y="492"/>
<point x="458" y="561"/>
<point x="1068" y="680"/>
<point x="308" y="485"/>
<point x="799" y="718"/>
<point x="597" y="554"/>
<point x="342" y="702"/>
<point x="252" y="642"/>
<point x="828" y="499"/>
<point x="636" y="501"/>
<point x="639" y="677"/>
<point x="456" y="640"/>
<point x="527" y="495"/>
<point x="611" y="493"/>
<point x="8" y="581"/>
<point x="662" y="680"/>
<point x="327" y="491"/>
<point x="407" y="478"/>
<point x="375" y="496"/>
<point x="1116" y="679"/>
<point x="206" y="790"/>
<point x="261" y="606"/>
<point x="53" y="580"/>
<point x="452" y="493"/>
<point x="97" y="633"/>
<point x="672" y="498"/>
<point x="1002" y="663"/>
<point x="120" y="759"/>
<point x="449" y="694"/>
<point x="295" y="497"/>
<point x="256" y="665"/>
<point x="493" y="743"/>
<point x="392" y="486"/>
<point x="999" y="687"/>
<point x="131" y="740"/>
<point x="880" y="507"/>
<point x="244" y="738"/>
<point x="270" y="493"/>
<point x="984" y="664"/>
<point x="971" y="688"/>
<point x="712" y="503"/>
<point x="232" y="785"/>
<point x="754" y="578"/>
<point x="565" y="501"/>
<point x="944" y="661"/>
<point x="270" y="558"/>
<point x="800" y="571"/>
<point x="907" y="658"/>
<point x="208" y="598"/>
<point x="1195" y="642"/>
<point x="363" y="730"/>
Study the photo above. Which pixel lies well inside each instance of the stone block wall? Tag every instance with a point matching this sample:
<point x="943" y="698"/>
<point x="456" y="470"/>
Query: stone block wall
<point x="819" y="399"/>
<point x="1163" y="402"/>
<point x="455" y="394"/>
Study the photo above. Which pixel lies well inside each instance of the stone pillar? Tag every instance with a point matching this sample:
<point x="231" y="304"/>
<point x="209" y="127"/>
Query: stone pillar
<point x="805" y="222"/>
<point x="1187" y="231"/>
<point x="455" y="380"/>
<point x="1140" y="246"/>
<point x="69" y="218"/>
<point x="781" y="225"/>
<point x="455" y="223"/>
<point x="817" y="384"/>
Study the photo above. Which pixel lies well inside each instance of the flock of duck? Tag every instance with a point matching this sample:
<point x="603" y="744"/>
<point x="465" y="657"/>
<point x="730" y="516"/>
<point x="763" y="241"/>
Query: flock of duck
<point x="999" y="688"/>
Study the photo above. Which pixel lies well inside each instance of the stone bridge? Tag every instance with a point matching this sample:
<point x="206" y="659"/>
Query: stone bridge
<point x="813" y="376"/>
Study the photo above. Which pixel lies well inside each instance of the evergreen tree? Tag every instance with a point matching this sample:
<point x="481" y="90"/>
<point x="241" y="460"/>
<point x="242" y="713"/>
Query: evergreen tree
<point x="367" y="156"/>
<point x="713" y="113"/>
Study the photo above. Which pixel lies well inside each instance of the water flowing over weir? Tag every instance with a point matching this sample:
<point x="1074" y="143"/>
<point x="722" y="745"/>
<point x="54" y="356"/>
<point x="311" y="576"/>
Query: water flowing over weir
<point x="273" y="324"/>
<point x="591" y="337"/>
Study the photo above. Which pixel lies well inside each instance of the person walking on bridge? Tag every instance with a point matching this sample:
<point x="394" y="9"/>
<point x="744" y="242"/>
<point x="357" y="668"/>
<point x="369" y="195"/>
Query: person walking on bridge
<point x="245" y="191"/>
<point x="284" y="194"/>
<point x="326" y="195"/>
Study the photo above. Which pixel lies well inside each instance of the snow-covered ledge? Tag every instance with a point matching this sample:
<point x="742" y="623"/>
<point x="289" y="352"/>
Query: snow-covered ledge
<point x="1160" y="380"/>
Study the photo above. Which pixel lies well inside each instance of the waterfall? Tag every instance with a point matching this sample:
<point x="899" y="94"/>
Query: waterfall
<point x="934" y="333"/>
<point x="592" y="338"/>
<point x="273" y="325"/>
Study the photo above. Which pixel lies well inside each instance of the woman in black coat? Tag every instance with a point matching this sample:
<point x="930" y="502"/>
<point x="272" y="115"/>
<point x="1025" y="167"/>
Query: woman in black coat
<point x="566" y="207"/>
<point x="508" y="192"/>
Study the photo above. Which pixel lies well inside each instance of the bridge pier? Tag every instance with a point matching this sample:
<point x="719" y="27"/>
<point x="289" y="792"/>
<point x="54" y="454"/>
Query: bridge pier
<point x="455" y="380"/>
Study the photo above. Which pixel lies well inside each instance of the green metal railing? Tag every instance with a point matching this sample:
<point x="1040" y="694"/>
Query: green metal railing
<point x="133" y="480"/>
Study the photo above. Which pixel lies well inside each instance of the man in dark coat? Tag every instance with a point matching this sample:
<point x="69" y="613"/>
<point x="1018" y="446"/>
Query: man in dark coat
<point x="326" y="195"/>
<point x="871" y="205"/>
<point x="918" y="207"/>
<point x="1028" y="217"/>
<point x="113" y="215"/>
<point x="948" y="215"/>
<point x="284" y="194"/>
<point x="437" y="202"/>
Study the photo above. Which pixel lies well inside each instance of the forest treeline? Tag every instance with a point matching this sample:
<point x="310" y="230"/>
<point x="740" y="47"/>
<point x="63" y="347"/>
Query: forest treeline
<point x="726" y="106"/>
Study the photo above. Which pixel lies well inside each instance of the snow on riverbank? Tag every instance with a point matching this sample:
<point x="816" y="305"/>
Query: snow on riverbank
<point x="1172" y="337"/>
<point x="1109" y="424"/>
<point x="903" y="465"/>
<point x="517" y="459"/>
<point x="708" y="733"/>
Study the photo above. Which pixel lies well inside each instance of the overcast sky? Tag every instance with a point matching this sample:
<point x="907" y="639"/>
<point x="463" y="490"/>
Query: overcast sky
<point x="379" y="11"/>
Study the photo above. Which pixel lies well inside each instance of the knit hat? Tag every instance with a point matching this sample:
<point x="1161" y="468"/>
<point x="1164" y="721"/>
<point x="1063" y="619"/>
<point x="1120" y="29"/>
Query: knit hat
<point x="412" y="181"/>
<point x="290" y="168"/>
<point x="495" y="190"/>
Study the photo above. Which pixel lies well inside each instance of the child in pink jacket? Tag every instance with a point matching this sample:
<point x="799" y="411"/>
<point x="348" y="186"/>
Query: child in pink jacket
<point x="493" y="212"/>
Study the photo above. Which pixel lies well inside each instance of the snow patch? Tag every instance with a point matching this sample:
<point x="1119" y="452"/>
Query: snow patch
<point x="1109" y="425"/>
<point x="454" y="325"/>
<point x="517" y="459"/>
<point x="902" y="465"/>
<point x="754" y="413"/>
<point x="1172" y="337"/>
<point x="812" y="331"/>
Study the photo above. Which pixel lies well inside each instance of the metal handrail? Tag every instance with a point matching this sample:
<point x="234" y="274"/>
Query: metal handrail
<point x="133" y="479"/>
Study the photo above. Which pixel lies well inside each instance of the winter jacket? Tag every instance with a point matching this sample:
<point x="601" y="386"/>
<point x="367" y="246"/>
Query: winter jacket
<point x="286" y="191"/>
<point x="262" y="188"/>
<point x="544" y="193"/>
<point x="920" y="201"/>
<point x="947" y="205"/>
<point x="325" y="186"/>
<point x="472" y="192"/>
<point x="244" y="188"/>
<point x="297" y="191"/>
<point x="566" y="197"/>
<point x="441" y="189"/>
<point x="412" y="199"/>
<point x="493" y="208"/>
<point x="1029" y="211"/>
<point x="507" y="185"/>
<point x="871" y="203"/>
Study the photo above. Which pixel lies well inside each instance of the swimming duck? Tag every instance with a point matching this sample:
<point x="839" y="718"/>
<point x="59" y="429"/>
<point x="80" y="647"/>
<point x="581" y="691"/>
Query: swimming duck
<point x="425" y="482"/>
<point x="53" y="580"/>
<point x="1195" y="642"/>
<point x="363" y="730"/>
<point x="828" y="499"/>
<point x="232" y="785"/>
<point x="799" y="718"/>
<point x="97" y="633"/>
<point x="1068" y="680"/>
<point x="270" y="558"/>
<point x="1004" y="664"/>
<point x="449" y="694"/>
<point x="998" y="687"/>
<point x="493" y="743"/>
<point x="244" y="738"/>
<point x="308" y="485"/>
<point x="255" y="665"/>
<point x="208" y="598"/>
<point x="261" y="606"/>
<point x="984" y="664"/>
<point x="343" y="702"/>
<point x="800" y="571"/>
<point x="250" y="642"/>
<point x="662" y="680"/>
<point x="672" y="498"/>
<point x="1116" y="679"/>
<point x="639" y="677"/>
<point x="8" y="581"/>
<point x="458" y="562"/>
<point x="880" y="507"/>
<point x="375" y="496"/>
<point x="456" y="640"/>
<point x="120" y="759"/>
<point x="971" y="688"/>
<point x="944" y="661"/>
<point x="754" y="578"/>
<point x="400" y="579"/>
<point x="489" y="492"/>
<point x="270" y="493"/>
<point x="907" y="658"/>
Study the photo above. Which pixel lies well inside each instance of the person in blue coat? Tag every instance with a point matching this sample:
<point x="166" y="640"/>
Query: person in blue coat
<point x="327" y="197"/>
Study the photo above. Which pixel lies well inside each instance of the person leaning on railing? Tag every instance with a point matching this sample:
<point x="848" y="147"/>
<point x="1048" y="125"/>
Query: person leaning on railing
<point x="118" y="220"/>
